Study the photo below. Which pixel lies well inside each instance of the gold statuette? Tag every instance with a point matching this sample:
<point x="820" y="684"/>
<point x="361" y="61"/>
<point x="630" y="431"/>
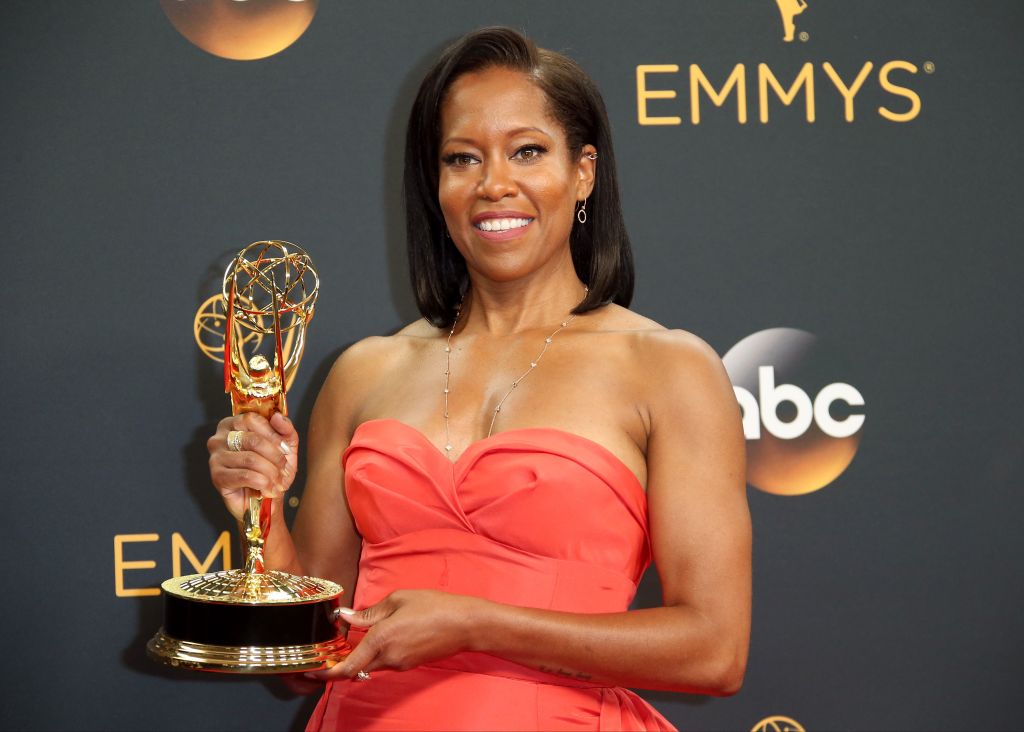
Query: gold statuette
<point x="252" y="620"/>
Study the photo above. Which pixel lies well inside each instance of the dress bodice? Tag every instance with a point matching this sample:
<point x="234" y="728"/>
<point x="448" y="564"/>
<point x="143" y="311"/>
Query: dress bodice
<point x="546" y="497"/>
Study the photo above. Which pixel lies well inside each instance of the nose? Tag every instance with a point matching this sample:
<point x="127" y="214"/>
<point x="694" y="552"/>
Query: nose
<point x="496" y="181"/>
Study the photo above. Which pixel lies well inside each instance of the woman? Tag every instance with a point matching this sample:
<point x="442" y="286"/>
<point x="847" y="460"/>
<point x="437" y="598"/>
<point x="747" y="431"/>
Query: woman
<point x="494" y="479"/>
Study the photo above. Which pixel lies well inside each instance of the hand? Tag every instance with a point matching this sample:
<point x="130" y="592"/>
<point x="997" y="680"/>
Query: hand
<point x="406" y="629"/>
<point x="266" y="463"/>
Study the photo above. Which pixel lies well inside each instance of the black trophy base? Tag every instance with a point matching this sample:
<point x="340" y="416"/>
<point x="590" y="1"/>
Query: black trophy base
<point x="227" y="622"/>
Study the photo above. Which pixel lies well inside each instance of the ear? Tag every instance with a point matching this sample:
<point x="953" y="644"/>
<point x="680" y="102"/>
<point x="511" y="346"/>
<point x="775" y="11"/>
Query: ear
<point x="586" y="170"/>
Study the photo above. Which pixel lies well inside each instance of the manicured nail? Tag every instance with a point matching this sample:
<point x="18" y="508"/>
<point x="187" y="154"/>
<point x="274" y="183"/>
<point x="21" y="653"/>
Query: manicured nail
<point x="285" y="449"/>
<point x="346" y="611"/>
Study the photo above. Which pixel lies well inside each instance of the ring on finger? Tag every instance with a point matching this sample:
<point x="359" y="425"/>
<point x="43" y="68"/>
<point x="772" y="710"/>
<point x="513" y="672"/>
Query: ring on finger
<point x="235" y="440"/>
<point x="362" y="676"/>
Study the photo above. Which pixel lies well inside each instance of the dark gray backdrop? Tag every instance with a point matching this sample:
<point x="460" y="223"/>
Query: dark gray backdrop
<point x="133" y="164"/>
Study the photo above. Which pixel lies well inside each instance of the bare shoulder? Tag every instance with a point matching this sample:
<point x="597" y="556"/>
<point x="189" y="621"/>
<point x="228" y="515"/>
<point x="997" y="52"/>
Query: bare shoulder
<point x="372" y="358"/>
<point x="687" y="352"/>
<point x="368" y="364"/>
<point x="615" y="318"/>
<point x="689" y="396"/>
<point x="680" y="352"/>
<point x="679" y="378"/>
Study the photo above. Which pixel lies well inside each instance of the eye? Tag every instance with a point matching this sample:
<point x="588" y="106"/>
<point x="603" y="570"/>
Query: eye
<point x="529" y="153"/>
<point x="458" y="160"/>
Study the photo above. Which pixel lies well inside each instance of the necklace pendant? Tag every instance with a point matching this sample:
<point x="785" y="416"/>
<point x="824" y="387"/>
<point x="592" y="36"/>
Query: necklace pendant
<point x="449" y="448"/>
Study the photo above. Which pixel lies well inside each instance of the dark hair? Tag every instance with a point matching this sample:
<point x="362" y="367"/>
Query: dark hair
<point x="600" y="249"/>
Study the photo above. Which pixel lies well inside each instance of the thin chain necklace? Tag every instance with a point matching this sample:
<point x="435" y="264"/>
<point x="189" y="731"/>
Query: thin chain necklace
<point x="448" y="447"/>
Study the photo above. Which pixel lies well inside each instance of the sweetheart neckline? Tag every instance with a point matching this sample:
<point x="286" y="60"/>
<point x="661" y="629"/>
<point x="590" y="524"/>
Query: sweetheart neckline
<point x="507" y="433"/>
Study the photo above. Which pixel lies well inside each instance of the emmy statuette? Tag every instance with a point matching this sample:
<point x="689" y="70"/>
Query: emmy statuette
<point x="252" y="620"/>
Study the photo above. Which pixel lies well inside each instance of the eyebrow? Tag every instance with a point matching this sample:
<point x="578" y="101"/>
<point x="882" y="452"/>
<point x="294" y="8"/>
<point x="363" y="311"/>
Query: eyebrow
<point x="509" y="133"/>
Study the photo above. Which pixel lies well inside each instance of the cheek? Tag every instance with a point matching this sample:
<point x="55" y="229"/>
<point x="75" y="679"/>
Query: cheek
<point x="449" y="195"/>
<point x="559" y="198"/>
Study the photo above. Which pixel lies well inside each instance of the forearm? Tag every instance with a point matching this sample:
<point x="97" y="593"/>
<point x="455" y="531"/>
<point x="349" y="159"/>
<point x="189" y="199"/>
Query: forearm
<point x="669" y="648"/>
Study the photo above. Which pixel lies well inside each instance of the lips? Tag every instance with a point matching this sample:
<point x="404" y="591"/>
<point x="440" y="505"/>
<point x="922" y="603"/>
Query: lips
<point x="501" y="224"/>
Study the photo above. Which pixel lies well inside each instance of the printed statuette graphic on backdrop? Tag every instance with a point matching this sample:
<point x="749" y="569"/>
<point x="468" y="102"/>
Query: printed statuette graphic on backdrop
<point x="789" y="10"/>
<point x="252" y="620"/>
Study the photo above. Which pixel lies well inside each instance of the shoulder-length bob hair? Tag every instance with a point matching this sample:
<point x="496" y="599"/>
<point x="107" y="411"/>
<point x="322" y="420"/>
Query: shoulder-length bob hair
<point x="600" y="248"/>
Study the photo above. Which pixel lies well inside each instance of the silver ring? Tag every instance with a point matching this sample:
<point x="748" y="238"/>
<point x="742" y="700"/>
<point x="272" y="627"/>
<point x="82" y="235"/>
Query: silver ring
<point x="362" y="676"/>
<point x="235" y="440"/>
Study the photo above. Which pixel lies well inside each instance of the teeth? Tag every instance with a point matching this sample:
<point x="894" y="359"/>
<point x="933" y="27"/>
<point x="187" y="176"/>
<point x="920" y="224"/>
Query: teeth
<point x="502" y="224"/>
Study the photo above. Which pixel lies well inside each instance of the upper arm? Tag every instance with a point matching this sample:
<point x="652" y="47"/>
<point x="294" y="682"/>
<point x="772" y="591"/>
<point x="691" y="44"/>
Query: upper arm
<point x="325" y="534"/>
<point x="700" y="522"/>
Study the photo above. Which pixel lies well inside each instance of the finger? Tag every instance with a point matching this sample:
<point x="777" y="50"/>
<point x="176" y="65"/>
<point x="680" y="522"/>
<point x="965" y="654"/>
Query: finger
<point x="271" y="448"/>
<point x="228" y="479"/>
<point x="360" y="618"/>
<point x="365" y="657"/>
<point x="285" y="428"/>
<point x="362" y="658"/>
<point x="253" y="422"/>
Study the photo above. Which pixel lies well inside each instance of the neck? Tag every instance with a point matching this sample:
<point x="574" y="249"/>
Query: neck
<point x="507" y="308"/>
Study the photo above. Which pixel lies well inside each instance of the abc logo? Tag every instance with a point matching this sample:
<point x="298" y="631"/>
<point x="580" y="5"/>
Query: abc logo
<point x="801" y="422"/>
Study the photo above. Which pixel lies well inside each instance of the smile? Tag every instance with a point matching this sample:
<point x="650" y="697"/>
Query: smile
<point x="502" y="224"/>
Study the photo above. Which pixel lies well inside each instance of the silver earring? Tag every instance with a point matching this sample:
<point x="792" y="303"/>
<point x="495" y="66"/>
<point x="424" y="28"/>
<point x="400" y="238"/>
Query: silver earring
<point x="592" y="156"/>
<point x="581" y="213"/>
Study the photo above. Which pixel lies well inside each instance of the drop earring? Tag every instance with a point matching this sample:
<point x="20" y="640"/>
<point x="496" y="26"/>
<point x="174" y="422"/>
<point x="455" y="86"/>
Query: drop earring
<point x="581" y="212"/>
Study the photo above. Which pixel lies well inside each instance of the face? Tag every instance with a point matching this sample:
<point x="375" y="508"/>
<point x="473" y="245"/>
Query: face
<point x="508" y="186"/>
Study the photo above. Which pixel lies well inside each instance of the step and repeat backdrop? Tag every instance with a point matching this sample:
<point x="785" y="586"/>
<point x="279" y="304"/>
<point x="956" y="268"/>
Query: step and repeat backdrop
<point x="827" y="192"/>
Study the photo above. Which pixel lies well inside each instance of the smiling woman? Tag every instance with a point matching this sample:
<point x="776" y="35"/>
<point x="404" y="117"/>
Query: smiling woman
<point x="566" y="111"/>
<point x="495" y="526"/>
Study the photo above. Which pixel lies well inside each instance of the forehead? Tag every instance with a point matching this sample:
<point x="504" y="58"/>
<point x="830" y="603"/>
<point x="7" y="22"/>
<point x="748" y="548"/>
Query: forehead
<point x="494" y="101"/>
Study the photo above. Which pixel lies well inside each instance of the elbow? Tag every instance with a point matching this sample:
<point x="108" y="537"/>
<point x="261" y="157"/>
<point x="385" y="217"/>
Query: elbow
<point x="719" y="676"/>
<point x="726" y="678"/>
<point x="729" y="683"/>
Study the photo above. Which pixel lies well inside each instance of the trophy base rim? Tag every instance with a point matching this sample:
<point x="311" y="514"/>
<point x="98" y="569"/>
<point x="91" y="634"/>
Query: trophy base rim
<point x="236" y="587"/>
<point x="193" y="656"/>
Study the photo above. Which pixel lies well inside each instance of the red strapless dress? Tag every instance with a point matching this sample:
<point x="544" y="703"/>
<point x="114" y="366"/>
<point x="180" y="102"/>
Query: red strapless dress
<point x="531" y="517"/>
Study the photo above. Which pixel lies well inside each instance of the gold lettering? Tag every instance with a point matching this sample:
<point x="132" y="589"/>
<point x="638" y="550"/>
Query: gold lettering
<point x="736" y="79"/>
<point x="848" y="92"/>
<point x="804" y="78"/>
<point x="120" y="565"/>
<point x="179" y="546"/>
<point x="900" y="91"/>
<point x="643" y="94"/>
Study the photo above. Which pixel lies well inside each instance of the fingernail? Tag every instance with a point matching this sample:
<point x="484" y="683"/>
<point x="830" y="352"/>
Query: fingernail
<point x="346" y="611"/>
<point x="285" y="449"/>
